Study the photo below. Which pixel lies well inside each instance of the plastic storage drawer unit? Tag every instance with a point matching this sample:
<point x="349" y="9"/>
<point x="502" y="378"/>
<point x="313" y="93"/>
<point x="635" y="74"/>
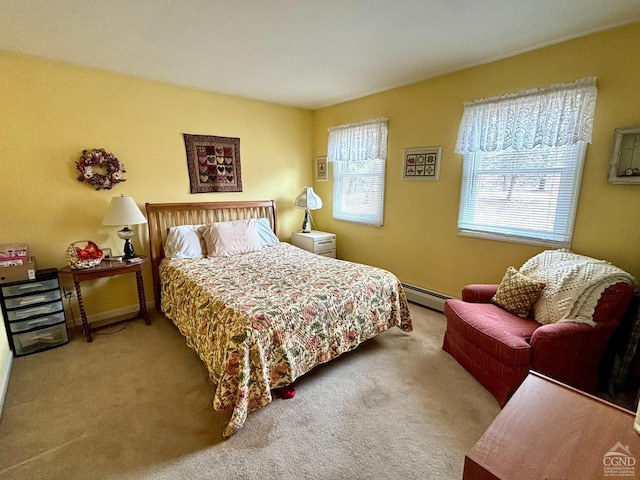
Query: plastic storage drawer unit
<point x="34" y="314"/>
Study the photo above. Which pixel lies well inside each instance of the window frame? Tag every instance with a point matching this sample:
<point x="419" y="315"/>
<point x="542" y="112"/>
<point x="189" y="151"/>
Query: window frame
<point x="353" y="148"/>
<point x="537" y="132"/>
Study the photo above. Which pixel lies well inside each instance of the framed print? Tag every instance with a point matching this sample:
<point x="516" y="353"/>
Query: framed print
<point x="213" y="163"/>
<point x="322" y="175"/>
<point x="421" y="163"/>
<point x="624" y="166"/>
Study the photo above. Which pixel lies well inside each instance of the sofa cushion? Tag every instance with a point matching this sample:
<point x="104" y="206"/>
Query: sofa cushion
<point x="500" y="379"/>
<point x="517" y="293"/>
<point x="496" y="331"/>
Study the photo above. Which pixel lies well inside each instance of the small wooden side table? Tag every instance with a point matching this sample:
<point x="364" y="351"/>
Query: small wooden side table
<point x="549" y="430"/>
<point x="108" y="268"/>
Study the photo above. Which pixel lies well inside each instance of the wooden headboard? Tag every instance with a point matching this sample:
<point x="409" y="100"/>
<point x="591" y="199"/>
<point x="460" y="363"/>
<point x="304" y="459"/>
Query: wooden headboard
<point x="162" y="216"/>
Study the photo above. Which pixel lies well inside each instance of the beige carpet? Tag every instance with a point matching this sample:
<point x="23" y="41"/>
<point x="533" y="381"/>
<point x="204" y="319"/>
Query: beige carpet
<point x="136" y="404"/>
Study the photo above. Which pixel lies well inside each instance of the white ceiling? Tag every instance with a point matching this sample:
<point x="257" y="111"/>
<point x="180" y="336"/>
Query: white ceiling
<point x="304" y="53"/>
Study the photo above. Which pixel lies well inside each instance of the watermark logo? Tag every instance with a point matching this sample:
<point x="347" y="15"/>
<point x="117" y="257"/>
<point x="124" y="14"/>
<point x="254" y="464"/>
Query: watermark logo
<point x="619" y="462"/>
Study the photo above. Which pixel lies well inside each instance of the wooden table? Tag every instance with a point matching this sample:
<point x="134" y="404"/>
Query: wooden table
<point x="108" y="268"/>
<point x="549" y="430"/>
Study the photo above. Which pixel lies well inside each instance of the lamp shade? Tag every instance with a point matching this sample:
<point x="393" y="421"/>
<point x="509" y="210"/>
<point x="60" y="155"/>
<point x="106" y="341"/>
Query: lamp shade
<point x="123" y="211"/>
<point x="308" y="199"/>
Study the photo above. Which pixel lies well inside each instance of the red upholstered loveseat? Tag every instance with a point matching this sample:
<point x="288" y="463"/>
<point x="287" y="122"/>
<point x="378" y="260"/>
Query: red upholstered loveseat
<point x="499" y="348"/>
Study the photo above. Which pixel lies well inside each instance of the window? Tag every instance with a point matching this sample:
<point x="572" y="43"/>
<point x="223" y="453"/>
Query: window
<point x="523" y="157"/>
<point x="359" y="153"/>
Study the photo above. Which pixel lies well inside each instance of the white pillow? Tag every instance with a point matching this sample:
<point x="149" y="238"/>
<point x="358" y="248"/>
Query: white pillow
<point x="185" y="241"/>
<point x="224" y="239"/>
<point x="264" y="231"/>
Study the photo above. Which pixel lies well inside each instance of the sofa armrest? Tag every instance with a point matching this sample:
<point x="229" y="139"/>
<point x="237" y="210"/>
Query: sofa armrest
<point x="613" y="302"/>
<point x="571" y="352"/>
<point x="479" y="292"/>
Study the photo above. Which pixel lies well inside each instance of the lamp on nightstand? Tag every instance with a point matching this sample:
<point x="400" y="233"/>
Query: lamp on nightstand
<point x="124" y="211"/>
<point x="308" y="200"/>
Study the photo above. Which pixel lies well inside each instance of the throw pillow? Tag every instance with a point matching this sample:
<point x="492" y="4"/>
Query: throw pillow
<point x="266" y="234"/>
<point x="517" y="293"/>
<point x="236" y="237"/>
<point x="185" y="241"/>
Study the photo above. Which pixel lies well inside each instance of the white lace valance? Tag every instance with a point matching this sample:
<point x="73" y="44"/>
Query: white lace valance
<point x="554" y="116"/>
<point x="358" y="142"/>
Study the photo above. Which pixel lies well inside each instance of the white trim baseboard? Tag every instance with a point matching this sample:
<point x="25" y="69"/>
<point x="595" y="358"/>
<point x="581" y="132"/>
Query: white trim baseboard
<point x="118" y="312"/>
<point x="425" y="297"/>
<point x="75" y="321"/>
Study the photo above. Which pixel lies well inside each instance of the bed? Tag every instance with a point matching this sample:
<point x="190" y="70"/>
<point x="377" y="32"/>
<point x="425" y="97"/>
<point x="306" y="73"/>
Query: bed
<point x="259" y="312"/>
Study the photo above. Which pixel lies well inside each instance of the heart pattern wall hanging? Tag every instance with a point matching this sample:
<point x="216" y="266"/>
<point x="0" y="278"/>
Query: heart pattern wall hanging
<point x="213" y="163"/>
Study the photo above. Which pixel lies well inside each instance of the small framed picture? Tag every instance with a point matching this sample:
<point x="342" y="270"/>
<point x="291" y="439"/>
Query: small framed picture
<point x="421" y="163"/>
<point x="624" y="166"/>
<point x="321" y="169"/>
<point x="106" y="253"/>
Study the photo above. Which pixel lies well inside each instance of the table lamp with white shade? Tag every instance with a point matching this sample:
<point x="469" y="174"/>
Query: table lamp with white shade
<point x="124" y="211"/>
<point x="308" y="200"/>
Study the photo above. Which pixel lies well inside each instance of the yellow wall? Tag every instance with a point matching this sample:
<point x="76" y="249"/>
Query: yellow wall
<point x="50" y="112"/>
<point x="418" y="241"/>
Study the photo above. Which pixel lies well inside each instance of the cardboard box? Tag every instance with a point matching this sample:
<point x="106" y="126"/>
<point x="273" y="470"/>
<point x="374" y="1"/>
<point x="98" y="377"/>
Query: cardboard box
<point x="13" y="250"/>
<point x="18" y="273"/>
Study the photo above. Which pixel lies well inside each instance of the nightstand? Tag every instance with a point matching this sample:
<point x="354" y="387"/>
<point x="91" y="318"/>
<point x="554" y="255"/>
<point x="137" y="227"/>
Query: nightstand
<point x="320" y="243"/>
<point x="108" y="268"/>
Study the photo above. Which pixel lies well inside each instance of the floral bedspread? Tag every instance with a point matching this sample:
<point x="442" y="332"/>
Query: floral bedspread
<point x="260" y="320"/>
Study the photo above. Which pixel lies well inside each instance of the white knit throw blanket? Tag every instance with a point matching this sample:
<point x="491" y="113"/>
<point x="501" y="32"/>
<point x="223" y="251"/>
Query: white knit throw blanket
<point x="574" y="284"/>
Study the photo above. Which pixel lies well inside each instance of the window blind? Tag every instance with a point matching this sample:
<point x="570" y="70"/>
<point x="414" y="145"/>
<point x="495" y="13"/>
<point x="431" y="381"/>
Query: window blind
<point x="358" y="152"/>
<point x="526" y="196"/>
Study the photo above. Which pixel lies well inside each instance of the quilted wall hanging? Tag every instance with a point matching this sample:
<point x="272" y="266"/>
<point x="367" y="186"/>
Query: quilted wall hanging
<point x="214" y="163"/>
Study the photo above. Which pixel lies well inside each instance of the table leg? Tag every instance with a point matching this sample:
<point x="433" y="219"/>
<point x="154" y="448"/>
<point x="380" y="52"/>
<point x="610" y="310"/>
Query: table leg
<point x="141" y="298"/>
<point x="83" y="314"/>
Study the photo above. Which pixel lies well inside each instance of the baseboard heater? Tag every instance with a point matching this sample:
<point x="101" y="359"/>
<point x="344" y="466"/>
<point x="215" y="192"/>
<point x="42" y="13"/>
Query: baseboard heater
<point x="424" y="297"/>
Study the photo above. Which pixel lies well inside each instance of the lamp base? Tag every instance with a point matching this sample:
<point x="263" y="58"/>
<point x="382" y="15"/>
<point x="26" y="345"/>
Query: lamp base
<point x="127" y="234"/>
<point x="129" y="252"/>
<point x="306" y="223"/>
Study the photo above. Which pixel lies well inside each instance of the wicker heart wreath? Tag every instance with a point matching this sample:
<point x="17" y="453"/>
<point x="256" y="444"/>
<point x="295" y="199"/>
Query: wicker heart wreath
<point x="100" y="169"/>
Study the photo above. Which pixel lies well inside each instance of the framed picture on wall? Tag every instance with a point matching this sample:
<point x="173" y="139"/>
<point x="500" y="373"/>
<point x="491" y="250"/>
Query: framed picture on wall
<point x="624" y="166"/>
<point x="213" y="163"/>
<point x="322" y="174"/>
<point x="421" y="163"/>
